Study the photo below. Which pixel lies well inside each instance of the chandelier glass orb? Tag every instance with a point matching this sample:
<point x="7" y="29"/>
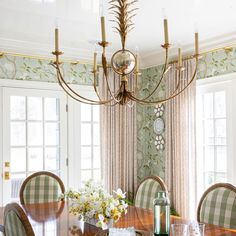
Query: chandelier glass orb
<point x="125" y="64"/>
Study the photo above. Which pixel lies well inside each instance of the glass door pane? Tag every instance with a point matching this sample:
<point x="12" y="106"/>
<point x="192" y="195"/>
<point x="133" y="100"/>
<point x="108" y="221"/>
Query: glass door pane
<point x="33" y="122"/>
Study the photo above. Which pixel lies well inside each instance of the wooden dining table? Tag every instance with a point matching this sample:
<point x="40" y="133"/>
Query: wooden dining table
<point x="54" y="219"/>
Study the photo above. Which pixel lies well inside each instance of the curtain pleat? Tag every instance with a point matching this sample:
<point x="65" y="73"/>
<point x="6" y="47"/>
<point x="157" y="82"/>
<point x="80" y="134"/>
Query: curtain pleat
<point x="181" y="143"/>
<point x="118" y="140"/>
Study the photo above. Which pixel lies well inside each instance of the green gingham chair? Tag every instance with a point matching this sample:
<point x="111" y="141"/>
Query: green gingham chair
<point x="16" y="222"/>
<point x="41" y="187"/>
<point x="146" y="191"/>
<point x="218" y="206"/>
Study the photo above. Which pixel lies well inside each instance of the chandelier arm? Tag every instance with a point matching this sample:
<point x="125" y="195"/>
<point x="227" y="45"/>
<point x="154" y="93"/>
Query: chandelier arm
<point x="165" y="69"/>
<point x="79" y="97"/>
<point x="74" y="96"/>
<point x="105" y="75"/>
<point x="107" y="104"/>
<point x="89" y="103"/>
<point x="173" y="95"/>
<point x="95" y="89"/>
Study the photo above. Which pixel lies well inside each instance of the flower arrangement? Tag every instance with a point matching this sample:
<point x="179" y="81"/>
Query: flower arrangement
<point x="92" y="202"/>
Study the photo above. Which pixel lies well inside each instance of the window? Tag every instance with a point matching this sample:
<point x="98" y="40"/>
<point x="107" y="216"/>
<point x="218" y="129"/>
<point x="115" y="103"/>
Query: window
<point x="84" y="140"/>
<point x="215" y="132"/>
<point x="90" y="142"/>
<point x="37" y="133"/>
<point x="212" y="106"/>
<point x="34" y="136"/>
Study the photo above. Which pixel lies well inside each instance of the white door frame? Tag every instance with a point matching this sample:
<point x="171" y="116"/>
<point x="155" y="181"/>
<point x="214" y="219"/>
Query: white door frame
<point x="73" y="175"/>
<point x="31" y="89"/>
<point x="1" y="146"/>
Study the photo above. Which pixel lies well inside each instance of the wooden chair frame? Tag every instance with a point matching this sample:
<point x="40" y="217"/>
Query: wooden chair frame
<point x="38" y="174"/>
<point x="157" y="179"/>
<point x="218" y="185"/>
<point x="22" y="216"/>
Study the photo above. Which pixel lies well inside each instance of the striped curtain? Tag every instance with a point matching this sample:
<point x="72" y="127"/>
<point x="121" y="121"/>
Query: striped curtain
<point x="118" y="140"/>
<point x="181" y="143"/>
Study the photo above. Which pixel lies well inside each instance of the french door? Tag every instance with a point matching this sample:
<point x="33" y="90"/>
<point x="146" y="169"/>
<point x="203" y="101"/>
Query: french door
<point x="34" y="136"/>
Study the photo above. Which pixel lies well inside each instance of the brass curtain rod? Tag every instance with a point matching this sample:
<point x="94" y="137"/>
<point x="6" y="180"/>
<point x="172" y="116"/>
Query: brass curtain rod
<point x="228" y="47"/>
<point x="45" y="58"/>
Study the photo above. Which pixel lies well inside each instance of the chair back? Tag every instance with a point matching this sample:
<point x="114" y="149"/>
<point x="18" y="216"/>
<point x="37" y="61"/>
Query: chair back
<point x="41" y="187"/>
<point x="16" y="222"/>
<point x="218" y="206"/>
<point x="146" y="191"/>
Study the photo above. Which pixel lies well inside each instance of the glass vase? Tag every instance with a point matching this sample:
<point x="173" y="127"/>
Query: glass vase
<point x="161" y="214"/>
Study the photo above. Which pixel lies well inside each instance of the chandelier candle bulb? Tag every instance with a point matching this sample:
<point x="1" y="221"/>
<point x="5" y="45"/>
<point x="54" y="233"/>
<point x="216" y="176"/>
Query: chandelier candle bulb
<point x="166" y="31"/>
<point x="56" y="40"/>
<point x="196" y="44"/>
<point x="137" y="63"/>
<point x="95" y="61"/>
<point x="103" y="29"/>
<point x="180" y="60"/>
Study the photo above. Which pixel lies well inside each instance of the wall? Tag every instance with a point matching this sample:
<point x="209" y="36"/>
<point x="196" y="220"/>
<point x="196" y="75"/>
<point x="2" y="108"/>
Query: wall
<point x="22" y="68"/>
<point x="150" y="160"/>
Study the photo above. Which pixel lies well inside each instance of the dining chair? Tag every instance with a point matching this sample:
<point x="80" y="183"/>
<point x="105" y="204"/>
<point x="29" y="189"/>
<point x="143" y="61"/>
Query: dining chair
<point x="16" y="222"/>
<point x="217" y="206"/>
<point x="41" y="187"/>
<point x="146" y="191"/>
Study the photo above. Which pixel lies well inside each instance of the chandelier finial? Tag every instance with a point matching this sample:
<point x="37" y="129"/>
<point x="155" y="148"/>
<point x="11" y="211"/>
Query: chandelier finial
<point x="124" y="12"/>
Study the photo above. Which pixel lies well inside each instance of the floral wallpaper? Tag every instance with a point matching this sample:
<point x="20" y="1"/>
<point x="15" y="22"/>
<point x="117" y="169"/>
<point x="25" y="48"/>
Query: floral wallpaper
<point x="151" y="161"/>
<point x="22" y="68"/>
<point x="217" y="63"/>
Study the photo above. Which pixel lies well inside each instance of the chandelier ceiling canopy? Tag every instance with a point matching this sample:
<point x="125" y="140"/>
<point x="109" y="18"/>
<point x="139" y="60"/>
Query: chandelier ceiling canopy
<point x="125" y="64"/>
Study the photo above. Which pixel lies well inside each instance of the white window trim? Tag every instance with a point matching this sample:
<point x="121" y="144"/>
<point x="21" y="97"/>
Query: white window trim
<point x="1" y="143"/>
<point x="74" y="146"/>
<point x="229" y="82"/>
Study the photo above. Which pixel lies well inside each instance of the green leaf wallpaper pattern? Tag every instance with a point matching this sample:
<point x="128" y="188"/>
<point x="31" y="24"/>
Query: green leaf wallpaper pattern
<point x="150" y="160"/>
<point x="22" y="68"/>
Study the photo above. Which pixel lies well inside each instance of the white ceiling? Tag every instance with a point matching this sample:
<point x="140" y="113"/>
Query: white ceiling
<point x="27" y="26"/>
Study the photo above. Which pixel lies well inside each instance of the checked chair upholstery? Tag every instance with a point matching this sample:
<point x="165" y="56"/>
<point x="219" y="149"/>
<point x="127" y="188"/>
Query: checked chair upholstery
<point x="146" y="191"/>
<point x="41" y="187"/>
<point x="16" y="222"/>
<point x="218" y="206"/>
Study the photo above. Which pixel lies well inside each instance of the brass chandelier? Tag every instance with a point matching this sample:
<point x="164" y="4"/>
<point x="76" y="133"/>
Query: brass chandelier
<point x="125" y="64"/>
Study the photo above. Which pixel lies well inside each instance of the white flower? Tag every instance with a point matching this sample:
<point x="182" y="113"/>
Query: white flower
<point x="119" y="193"/>
<point x="92" y="202"/>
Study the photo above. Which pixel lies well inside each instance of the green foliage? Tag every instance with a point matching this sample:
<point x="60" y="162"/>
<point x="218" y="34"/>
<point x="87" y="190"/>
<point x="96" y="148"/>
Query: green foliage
<point x="173" y="212"/>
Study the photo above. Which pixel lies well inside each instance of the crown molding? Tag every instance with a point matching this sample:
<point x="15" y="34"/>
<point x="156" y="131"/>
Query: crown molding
<point x="44" y="50"/>
<point x="147" y="60"/>
<point x="156" y="58"/>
